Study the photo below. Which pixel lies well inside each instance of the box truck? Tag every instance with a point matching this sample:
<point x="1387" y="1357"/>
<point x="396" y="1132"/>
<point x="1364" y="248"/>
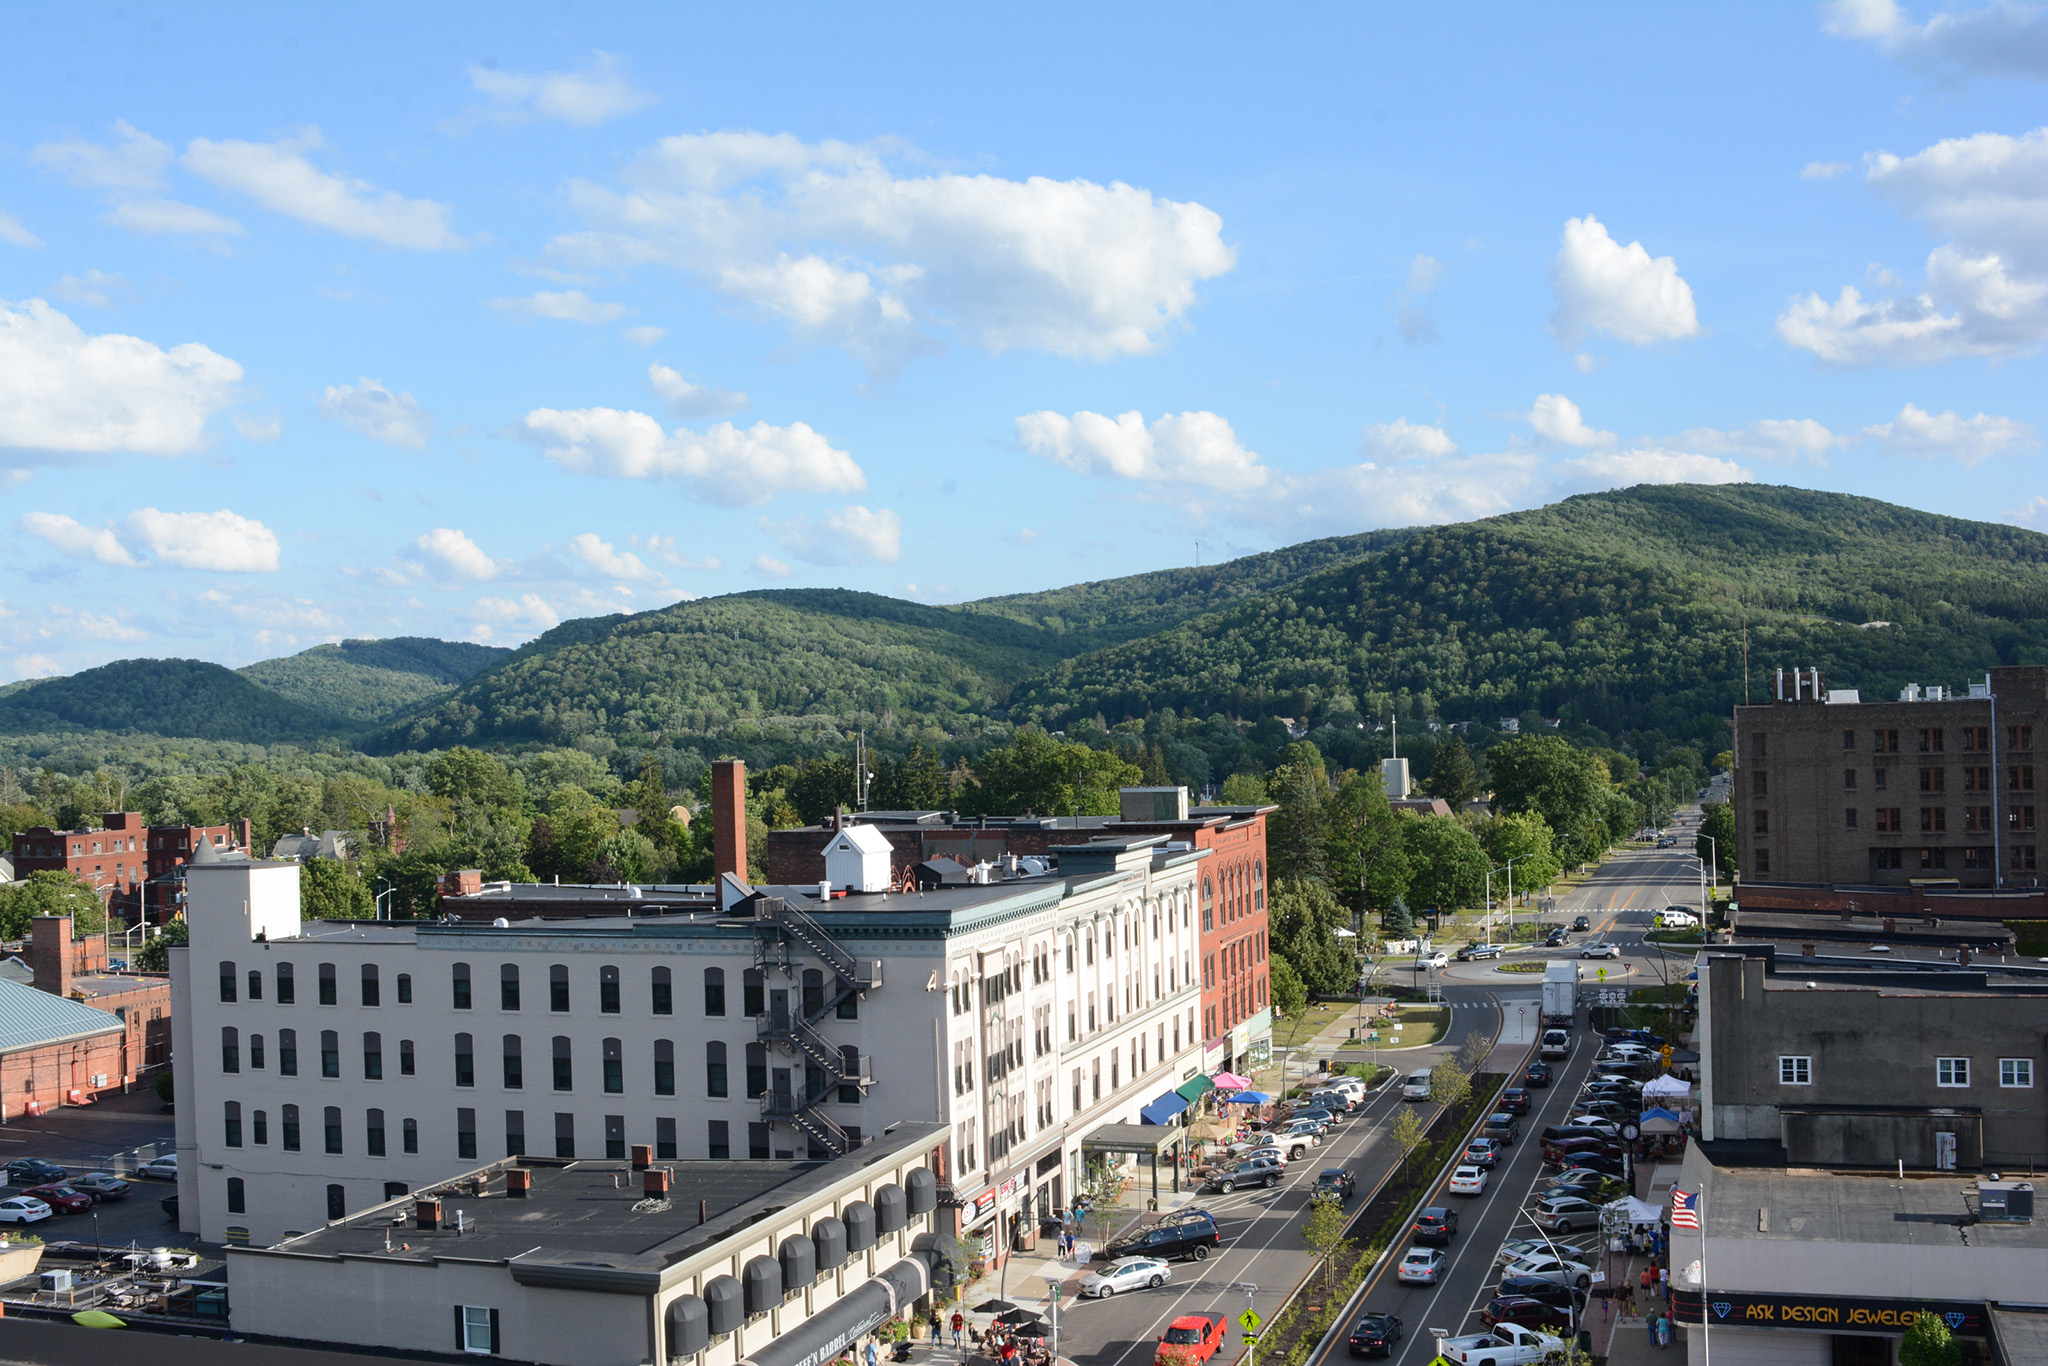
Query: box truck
<point x="1560" y="991"/>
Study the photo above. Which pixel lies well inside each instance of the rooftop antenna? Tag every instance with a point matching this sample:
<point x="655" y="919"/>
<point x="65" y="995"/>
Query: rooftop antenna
<point x="1198" y="554"/>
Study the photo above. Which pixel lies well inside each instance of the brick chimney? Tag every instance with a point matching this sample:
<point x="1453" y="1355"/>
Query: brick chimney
<point x="729" y="818"/>
<point x="50" y="953"/>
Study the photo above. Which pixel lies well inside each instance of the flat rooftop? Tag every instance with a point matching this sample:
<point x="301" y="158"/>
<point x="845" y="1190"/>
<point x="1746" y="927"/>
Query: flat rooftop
<point x="1806" y="1206"/>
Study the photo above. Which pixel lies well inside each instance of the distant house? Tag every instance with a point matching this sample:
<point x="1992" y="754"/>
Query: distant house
<point x="1511" y="725"/>
<point x="328" y="844"/>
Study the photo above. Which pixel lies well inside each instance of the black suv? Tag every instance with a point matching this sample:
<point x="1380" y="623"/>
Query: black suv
<point x="34" y="1171"/>
<point x="1190" y="1233"/>
<point x="1334" y="1181"/>
<point x="1436" y="1226"/>
<point x="1557" y="936"/>
<point x="1544" y="1292"/>
<point x="1582" y="923"/>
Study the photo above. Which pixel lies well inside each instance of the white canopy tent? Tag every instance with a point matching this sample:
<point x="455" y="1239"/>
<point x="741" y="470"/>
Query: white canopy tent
<point x="1666" y="1086"/>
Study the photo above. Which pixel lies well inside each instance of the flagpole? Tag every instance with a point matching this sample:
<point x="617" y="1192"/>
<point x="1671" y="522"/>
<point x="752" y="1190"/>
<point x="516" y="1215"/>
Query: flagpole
<point x="1706" y="1314"/>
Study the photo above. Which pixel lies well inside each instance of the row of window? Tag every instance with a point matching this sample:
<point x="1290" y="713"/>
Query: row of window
<point x="1891" y="820"/>
<point x="375" y="1143"/>
<point x="1975" y="778"/>
<point x="1796" y="1069"/>
<point x="2019" y="858"/>
<point x="1932" y="740"/>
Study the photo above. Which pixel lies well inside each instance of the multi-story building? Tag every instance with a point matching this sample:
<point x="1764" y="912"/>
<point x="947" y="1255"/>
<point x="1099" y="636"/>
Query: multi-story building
<point x="134" y="866"/>
<point x="1236" y="1011"/>
<point x="1936" y="786"/>
<point x="327" y="1066"/>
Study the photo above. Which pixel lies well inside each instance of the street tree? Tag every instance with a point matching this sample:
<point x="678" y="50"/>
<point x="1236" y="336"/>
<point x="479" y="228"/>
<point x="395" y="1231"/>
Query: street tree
<point x="1452" y="775"/>
<point x="1364" y="852"/>
<point x="1290" y="997"/>
<point x="1930" y="1343"/>
<point x="1408" y="1135"/>
<point x="1323" y="1230"/>
<point x="331" y="890"/>
<point x="1447" y="868"/>
<point x="1449" y="1083"/>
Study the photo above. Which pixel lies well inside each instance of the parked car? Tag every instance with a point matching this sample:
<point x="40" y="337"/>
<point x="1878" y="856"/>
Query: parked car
<point x="1582" y="922"/>
<point x="1599" y="1105"/>
<point x="1559" y="1152"/>
<point x="1335" y="1183"/>
<point x="1186" y="1233"/>
<point x="101" y="1186"/>
<point x="1599" y="1124"/>
<point x="1374" y="1335"/>
<point x="1598" y="1187"/>
<point x="1546" y="1267"/>
<point x="1525" y="1312"/>
<point x="1502" y="1127"/>
<point x="1125" y="1273"/>
<point x="1536" y="1075"/>
<point x="1508" y="1345"/>
<point x="1615" y="1167"/>
<point x="1189" y="1340"/>
<point x="1647" y="1038"/>
<point x="1435" y="1226"/>
<point x="1257" y="1171"/>
<point x="1515" y="1100"/>
<point x="23" y="1209"/>
<point x="160" y="1168"/>
<point x="62" y="1198"/>
<point x="1545" y="1292"/>
<point x="1516" y="1249"/>
<point x="1467" y="1179"/>
<point x="1321" y="1115"/>
<point x="1565" y="1214"/>
<point x="1335" y="1101"/>
<point x="1421" y="1266"/>
<point x="1557" y="1133"/>
<point x="1600" y="948"/>
<point x="34" y="1171"/>
<point x="1482" y="1152"/>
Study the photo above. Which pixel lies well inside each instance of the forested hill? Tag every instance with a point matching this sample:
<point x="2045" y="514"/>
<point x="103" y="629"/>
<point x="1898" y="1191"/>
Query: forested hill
<point x="182" y="697"/>
<point x="1623" y="610"/>
<point x="370" y="682"/>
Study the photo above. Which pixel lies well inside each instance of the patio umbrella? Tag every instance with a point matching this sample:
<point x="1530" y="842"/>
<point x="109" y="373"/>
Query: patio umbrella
<point x="1230" y="1081"/>
<point x="1249" y="1098"/>
<point x="994" y="1307"/>
<point x="1017" y="1318"/>
<point x="1032" y="1328"/>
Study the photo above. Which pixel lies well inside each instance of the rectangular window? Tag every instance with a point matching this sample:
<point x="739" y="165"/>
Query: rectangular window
<point x="1930" y="740"/>
<point x="1933" y="860"/>
<point x="565" y="1134"/>
<point x="1762" y="822"/>
<point x="1886" y="860"/>
<point x="1757" y="746"/>
<point x="664" y="1067"/>
<point x="1848" y="739"/>
<point x="614" y="1137"/>
<point x="1763" y="862"/>
<point x="1951" y="1071"/>
<point x="714" y="1069"/>
<point x="757" y="1142"/>
<point x="1977" y="820"/>
<point x="1877" y="780"/>
<point x="1795" y="1070"/>
<point x="1977" y="860"/>
<point x="2019" y="737"/>
<point x="329" y="992"/>
<point x="237" y="1196"/>
<point x="1849" y="818"/>
<point x="1848" y="780"/>
<point x="1933" y="820"/>
<point x="1760" y="784"/>
<point x="2023" y="858"/>
<point x="2020" y="778"/>
<point x="1976" y="777"/>
<point x="515" y="1133"/>
<point x="1934" y="780"/>
<point x="664" y="1140"/>
<point x="2016" y="818"/>
<point x="564" y="1077"/>
<point x="2016" y="1072"/>
<point x="476" y="1330"/>
<point x="751" y="994"/>
<point x="372" y="993"/>
<point x="1885" y="741"/>
<point x="719" y="1132"/>
<point x="465" y="1133"/>
<point x="1889" y="820"/>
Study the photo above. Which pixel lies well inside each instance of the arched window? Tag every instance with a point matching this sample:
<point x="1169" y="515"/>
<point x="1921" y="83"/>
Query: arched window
<point x="664" y="1001"/>
<point x="558" y="987"/>
<point x="664" y="1067"/>
<point x="614" y="1068"/>
<point x="329" y="993"/>
<point x="508" y="987"/>
<point x="405" y="988"/>
<point x="608" y="991"/>
<point x="515" y="1066"/>
<point x="1258" y="885"/>
<point x="261" y="1121"/>
<point x="330" y="1119"/>
<point x="233" y="1136"/>
<point x="814" y="992"/>
<point x="289" y="1121"/>
<point x="255" y="984"/>
<point x="459" y="981"/>
<point x="564" y="1079"/>
<point x="752" y="1000"/>
<point x="373" y="1057"/>
<point x="409" y="1135"/>
<point x="714" y="991"/>
<point x="373" y="1133"/>
<point x="227" y="983"/>
<point x="465" y="1060"/>
<point x="256" y="1051"/>
<point x="1208" y="906"/>
<point x="372" y="993"/>
<point x="406" y="1063"/>
<point x="714" y="1069"/>
<point x="230" y="1051"/>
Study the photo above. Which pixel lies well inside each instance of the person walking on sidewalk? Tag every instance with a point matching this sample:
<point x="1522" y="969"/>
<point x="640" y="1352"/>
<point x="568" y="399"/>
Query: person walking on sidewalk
<point x="870" y="1354"/>
<point x="1650" y="1323"/>
<point x="959" y="1323"/>
<point x="938" y="1327"/>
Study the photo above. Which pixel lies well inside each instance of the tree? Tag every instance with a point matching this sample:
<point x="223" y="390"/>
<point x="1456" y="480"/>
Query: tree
<point x="166" y="1089"/>
<point x="1477" y="1049"/>
<point x="1244" y="789"/>
<point x="1929" y="1343"/>
<point x="1452" y="775"/>
<point x="48" y="892"/>
<point x="1323" y="1230"/>
<point x="1364" y="852"/>
<point x="1302" y="928"/>
<point x="1290" y="997"/>
<point x="1050" y="777"/>
<point x="1297" y="833"/>
<point x="1449" y="1083"/>
<point x="155" y="956"/>
<point x="1717" y="823"/>
<point x="1396" y="922"/>
<point x="1408" y="1134"/>
<point x="1566" y="786"/>
<point x="1525" y="837"/>
<point x="915" y="783"/>
<point x="331" y="890"/>
<point x="1447" y="868"/>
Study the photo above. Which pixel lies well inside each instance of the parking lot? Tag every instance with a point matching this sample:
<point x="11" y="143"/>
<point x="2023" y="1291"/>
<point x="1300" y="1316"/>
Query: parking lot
<point x="114" y="1134"/>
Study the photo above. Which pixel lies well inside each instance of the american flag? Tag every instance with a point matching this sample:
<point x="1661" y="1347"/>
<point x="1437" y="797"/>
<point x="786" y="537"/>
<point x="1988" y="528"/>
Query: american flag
<point x="1685" y="1210"/>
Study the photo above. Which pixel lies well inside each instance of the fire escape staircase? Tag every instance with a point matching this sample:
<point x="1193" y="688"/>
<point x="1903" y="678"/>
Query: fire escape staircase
<point x="781" y="928"/>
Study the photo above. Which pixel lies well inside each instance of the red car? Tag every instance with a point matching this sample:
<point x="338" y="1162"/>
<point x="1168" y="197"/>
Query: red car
<point x="1190" y="1340"/>
<point x="1515" y="1100"/>
<point x="1525" y="1313"/>
<point x="62" y="1198"/>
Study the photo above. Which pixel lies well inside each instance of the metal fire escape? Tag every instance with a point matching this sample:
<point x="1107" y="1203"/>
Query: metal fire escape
<point x="783" y="933"/>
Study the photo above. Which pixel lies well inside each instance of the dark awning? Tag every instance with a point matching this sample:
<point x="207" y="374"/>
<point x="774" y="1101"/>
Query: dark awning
<point x="833" y="1330"/>
<point x="1139" y="1139"/>
<point x="1163" y="1108"/>
<point x="1194" y="1088"/>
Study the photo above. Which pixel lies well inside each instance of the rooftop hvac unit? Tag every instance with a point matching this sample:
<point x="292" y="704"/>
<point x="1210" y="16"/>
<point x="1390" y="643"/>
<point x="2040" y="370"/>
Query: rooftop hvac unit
<point x="2005" y="1202"/>
<point x="56" y="1280"/>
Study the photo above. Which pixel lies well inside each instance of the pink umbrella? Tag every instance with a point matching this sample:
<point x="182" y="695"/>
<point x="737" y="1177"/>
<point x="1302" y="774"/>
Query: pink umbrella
<point x="1230" y="1081"/>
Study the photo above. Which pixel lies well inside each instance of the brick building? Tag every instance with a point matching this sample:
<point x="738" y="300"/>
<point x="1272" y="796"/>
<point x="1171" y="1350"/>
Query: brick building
<point x="121" y="856"/>
<point x="76" y="967"/>
<point x="1936" y="787"/>
<point x="1236" y="995"/>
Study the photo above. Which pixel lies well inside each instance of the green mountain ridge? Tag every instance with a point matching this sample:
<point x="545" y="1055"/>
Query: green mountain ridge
<point x="176" y="697"/>
<point x="373" y="682"/>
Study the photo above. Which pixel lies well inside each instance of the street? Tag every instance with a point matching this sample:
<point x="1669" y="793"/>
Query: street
<point x="110" y="1135"/>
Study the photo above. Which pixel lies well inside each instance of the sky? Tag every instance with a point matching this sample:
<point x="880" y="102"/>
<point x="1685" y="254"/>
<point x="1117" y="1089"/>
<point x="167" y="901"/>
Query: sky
<point x="348" y="320"/>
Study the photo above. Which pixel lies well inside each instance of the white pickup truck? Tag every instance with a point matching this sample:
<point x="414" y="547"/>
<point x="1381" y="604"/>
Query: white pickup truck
<point x="1506" y="1345"/>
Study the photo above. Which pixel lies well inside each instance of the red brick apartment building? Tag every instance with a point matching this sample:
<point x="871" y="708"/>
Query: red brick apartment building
<point x="80" y="1031"/>
<point x="117" y="857"/>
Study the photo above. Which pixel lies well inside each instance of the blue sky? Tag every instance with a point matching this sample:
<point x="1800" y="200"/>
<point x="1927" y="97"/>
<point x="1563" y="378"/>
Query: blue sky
<point x="319" y="322"/>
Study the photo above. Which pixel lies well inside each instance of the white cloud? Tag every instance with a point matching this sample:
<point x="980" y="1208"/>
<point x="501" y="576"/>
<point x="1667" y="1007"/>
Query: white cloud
<point x="135" y="162"/>
<point x="63" y="390"/>
<point x="1371" y="494"/>
<point x="644" y="336"/>
<point x="597" y="93"/>
<point x="568" y="305"/>
<point x="852" y="535"/>
<point x="219" y="541"/>
<point x="260" y="429"/>
<point x="768" y="567"/>
<point x="376" y="412"/>
<point x="1027" y="536"/>
<point x="1781" y="439"/>
<point x="1415" y="301"/>
<point x="827" y="237"/>
<point x="663" y="548"/>
<point x="1969" y="441"/>
<point x="1194" y="448"/>
<point x="608" y="560"/>
<point x="685" y="399"/>
<point x="1986" y="292"/>
<point x="2033" y="512"/>
<point x="528" y="614"/>
<point x="1823" y="170"/>
<point x="453" y="552"/>
<point x="169" y="218"/>
<point x="1611" y="469"/>
<point x="1556" y="418"/>
<point x="726" y="464"/>
<point x="36" y="666"/>
<point x="1999" y="39"/>
<point x="278" y="176"/>
<point x="1405" y="440"/>
<point x="15" y="233"/>
<point x="1603" y="286"/>
<point x="95" y="287"/>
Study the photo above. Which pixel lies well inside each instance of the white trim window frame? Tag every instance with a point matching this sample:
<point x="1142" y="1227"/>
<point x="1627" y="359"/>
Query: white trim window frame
<point x="1795" y="1069"/>
<point x="477" y="1330"/>
<point x="1952" y="1073"/>
<point x="2016" y="1073"/>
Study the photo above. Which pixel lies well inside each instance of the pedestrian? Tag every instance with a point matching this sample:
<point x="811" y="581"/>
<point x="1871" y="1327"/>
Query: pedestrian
<point x="938" y="1326"/>
<point x="1651" y="1324"/>
<point x="959" y="1323"/>
<point x="1663" y="1331"/>
<point x="1664" y="1283"/>
<point x="871" y="1353"/>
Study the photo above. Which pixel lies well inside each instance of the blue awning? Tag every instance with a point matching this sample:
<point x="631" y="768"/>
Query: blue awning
<point x="1164" y="1108"/>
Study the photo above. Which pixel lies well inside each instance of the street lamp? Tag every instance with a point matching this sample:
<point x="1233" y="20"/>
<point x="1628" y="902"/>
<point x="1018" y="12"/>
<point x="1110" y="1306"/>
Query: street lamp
<point x="1510" y="867"/>
<point x="1052" y="1285"/>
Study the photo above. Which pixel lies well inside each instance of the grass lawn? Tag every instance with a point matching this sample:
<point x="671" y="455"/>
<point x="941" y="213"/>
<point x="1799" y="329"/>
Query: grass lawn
<point x="1420" y="1025"/>
<point x="1296" y="1030"/>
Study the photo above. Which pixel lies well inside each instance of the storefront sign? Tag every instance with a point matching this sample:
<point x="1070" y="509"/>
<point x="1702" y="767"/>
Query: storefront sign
<point x="984" y="1202"/>
<point x="1009" y="1187"/>
<point x="1826" y="1313"/>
